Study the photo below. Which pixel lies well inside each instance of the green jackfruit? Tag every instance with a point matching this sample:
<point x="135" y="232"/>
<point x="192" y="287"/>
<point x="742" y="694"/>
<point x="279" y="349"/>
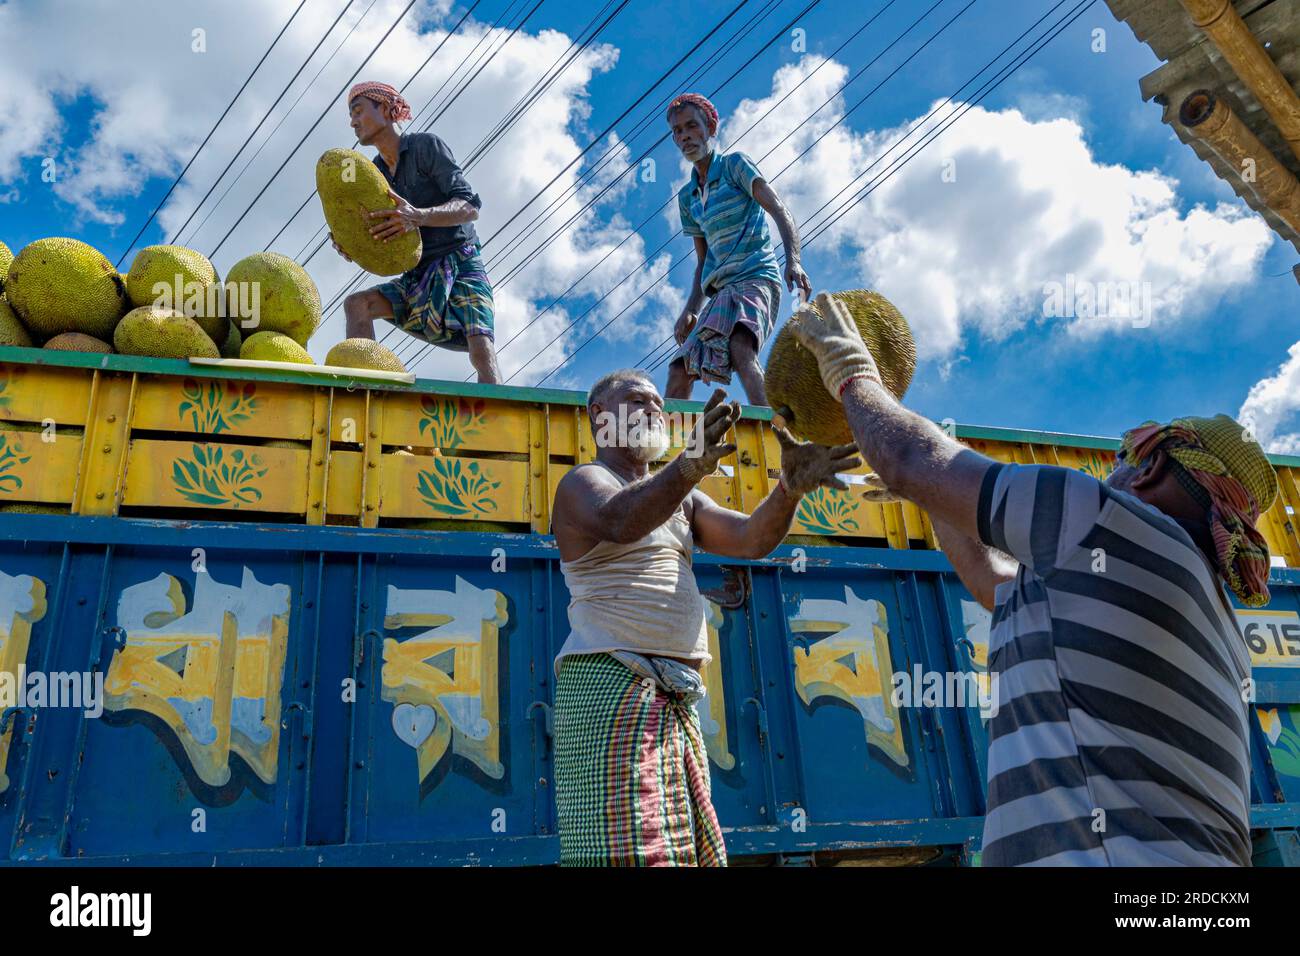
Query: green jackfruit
<point x="77" y="342"/>
<point x="6" y="257"/>
<point x="276" y="290"/>
<point x="162" y="334"/>
<point x="792" y="380"/>
<point x="350" y="186"/>
<point x="232" y="342"/>
<point x="364" y="353"/>
<point x="180" y="279"/>
<point x="274" y="347"/>
<point x="62" y="285"/>
<point x="12" y="331"/>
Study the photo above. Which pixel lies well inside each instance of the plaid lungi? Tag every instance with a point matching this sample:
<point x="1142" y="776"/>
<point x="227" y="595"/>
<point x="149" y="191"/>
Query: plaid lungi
<point x="446" y="303"/>
<point x="751" y="303"/>
<point x="631" y="772"/>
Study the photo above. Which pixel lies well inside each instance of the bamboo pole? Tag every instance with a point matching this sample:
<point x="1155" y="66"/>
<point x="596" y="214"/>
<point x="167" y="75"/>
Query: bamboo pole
<point x="1212" y="121"/>
<point x="1251" y="62"/>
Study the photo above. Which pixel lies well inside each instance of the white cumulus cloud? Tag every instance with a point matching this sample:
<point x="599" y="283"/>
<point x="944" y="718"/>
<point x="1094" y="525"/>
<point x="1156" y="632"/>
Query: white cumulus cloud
<point x="1271" y="402"/>
<point x="971" y="233"/>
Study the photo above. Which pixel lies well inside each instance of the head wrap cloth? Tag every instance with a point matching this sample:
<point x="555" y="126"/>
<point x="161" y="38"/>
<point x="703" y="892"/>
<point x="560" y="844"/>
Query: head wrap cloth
<point x="1230" y="475"/>
<point x="699" y="102"/>
<point x="384" y="95"/>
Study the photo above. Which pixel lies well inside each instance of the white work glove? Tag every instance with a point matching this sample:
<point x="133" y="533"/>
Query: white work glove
<point x="833" y="338"/>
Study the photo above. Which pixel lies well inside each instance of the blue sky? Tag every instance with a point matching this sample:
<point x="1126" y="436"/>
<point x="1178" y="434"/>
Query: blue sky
<point x="990" y="357"/>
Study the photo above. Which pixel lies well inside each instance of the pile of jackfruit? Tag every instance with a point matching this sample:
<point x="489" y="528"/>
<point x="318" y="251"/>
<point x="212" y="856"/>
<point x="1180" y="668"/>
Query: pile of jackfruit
<point x="61" y="293"/>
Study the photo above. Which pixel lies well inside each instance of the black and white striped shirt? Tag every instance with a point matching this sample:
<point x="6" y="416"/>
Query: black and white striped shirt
<point x="1121" y="735"/>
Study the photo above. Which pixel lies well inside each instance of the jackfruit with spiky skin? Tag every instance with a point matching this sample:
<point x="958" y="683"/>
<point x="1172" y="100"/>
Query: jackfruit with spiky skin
<point x="78" y="342"/>
<point x="282" y="293"/>
<point x="6" y="257"/>
<point x="161" y="333"/>
<point x="792" y="380"/>
<point x="274" y="347"/>
<point x="351" y="186"/>
<point x="364" y="353"/>
<point x="180" y="279"/>
<point x="63" y="285"/>
<point x="12" y="331"/>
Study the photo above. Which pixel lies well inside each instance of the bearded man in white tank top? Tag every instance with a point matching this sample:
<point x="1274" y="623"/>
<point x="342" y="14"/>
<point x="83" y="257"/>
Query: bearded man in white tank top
<point x="631" y="771"/>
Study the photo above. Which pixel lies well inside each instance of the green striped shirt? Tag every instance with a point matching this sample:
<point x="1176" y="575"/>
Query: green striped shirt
<point x="731" y="222"/>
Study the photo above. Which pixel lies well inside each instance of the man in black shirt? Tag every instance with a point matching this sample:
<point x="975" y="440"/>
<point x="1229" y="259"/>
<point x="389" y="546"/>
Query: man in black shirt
<point x="447" y="298"/>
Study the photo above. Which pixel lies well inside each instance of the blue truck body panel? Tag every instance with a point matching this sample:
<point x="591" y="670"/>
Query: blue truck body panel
<point x="303" y="696"/>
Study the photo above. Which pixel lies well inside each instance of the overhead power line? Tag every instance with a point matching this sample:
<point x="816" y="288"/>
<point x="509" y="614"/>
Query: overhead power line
<point x="331" y="105"/>
<point x="224" y="114"/>
<point x="265" y="117"/>
<point x="590" y="176"/>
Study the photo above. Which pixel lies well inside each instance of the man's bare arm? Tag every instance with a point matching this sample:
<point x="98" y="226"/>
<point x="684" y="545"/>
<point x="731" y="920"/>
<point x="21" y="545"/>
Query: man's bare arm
<point x="695" y="301"/>
<point x="453" y="212"/>
<point x="766" y="197"/>
<point x="910" y="454"/>
<point x="914" y="458"/>
<point x="595" y="505"/>
<point x="980" y="567"/>
<point x="388" y="224"/>
<point x="734" y="534"/>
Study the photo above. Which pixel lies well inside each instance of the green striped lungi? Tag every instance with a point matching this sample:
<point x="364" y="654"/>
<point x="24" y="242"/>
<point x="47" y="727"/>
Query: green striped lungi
<point x="631" y="772"/>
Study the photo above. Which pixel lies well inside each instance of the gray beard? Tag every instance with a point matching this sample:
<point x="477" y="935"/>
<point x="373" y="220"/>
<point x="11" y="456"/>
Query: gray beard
<point x="653" y="449"/>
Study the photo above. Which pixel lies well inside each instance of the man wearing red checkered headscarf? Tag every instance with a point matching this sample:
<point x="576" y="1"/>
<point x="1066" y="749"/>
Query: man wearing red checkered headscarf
<point x="736" y="292"/>
<point x="446" y="300"/>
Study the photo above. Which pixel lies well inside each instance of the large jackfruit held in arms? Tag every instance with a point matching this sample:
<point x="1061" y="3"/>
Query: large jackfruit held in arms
<point x="350" y="186"/>
<point x="276" y="292"/>
<point x="182" y="280"/>
<point x="364" y="353"/>
<point x="792" y="380"/>
<point x="63" y="285"/>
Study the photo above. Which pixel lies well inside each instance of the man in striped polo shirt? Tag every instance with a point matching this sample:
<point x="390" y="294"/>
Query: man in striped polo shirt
<point x="1121" y="735"/>
<point x="724" y="208"/>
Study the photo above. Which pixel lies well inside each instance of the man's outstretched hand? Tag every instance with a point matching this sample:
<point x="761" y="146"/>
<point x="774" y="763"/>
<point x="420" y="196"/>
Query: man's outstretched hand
<point x="708" y="444"/>
<point x="806" y="466"/>
<point x="833" y="338"/>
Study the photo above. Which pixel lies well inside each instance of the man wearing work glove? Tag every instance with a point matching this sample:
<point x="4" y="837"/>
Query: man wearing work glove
<point x="1121" y="734"/>
<point x="628" y="674"/>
